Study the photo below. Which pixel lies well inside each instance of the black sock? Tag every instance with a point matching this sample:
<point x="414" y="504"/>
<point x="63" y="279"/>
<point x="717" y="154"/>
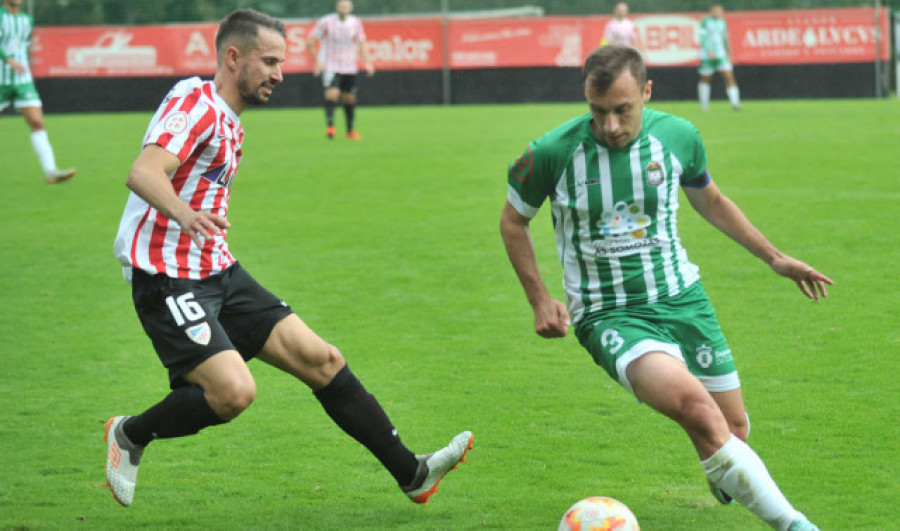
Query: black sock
<point x="184" y="411"/>
<point x="329" y="112"/>
<point x="358" y="413"/>
<point x="349" y="113"/>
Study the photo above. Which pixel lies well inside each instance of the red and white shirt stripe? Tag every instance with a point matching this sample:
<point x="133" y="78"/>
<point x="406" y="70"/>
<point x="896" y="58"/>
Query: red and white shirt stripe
<point x="195" y="124"/>
<point x="339" y="42"/>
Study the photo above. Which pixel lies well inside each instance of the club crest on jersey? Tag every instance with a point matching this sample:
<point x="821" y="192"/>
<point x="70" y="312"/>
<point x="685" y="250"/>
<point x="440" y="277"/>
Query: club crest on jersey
<point x="521" y="168"/>
<point x="218" y="175"/>
<point x="176" y="123"/>
<point x="200" y="334"/>
<point x="655" y="174"/>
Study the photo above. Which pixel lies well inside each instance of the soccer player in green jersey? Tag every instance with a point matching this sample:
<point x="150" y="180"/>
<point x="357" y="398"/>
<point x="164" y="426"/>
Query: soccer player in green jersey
<point x="17" y="86"/>
<point x="612" y="177"/>
<point x="716" y="57"/>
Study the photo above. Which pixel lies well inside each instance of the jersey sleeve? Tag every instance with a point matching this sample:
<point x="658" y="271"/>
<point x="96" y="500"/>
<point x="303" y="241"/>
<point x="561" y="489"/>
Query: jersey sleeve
<point x="30" y="37"/>
<point x="531" y="179"/>
<point x="185" y="122"/>
<point x="694" y="153"/>
<point x="318" y="30"/>
<point x="607" y="34"/>
<point x="703" y="35"/>
<point x="360" y="31"/>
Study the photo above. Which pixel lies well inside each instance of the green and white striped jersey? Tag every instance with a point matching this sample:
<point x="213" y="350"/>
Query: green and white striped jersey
<point x="614" y="210"/>
<point x="15" y="39"/>
<point x="713" y="38"/>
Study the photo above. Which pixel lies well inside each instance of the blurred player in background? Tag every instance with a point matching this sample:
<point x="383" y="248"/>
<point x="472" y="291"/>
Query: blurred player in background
<point x="612" y="177"/>
<point x="716" y="57"/>
<point x="621" y="30"/>
<point x="205" y="315"/>
<point x="342" y="45"/>
<point x="17" y="85"/>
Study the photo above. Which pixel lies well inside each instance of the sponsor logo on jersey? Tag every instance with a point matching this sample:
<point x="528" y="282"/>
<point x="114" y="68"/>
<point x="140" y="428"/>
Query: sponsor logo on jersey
<point x="624" y="221"/>
<point x="200" y="334"/>
<point x="655" y="174"/>
<point x="723" y="356"/>
<point x="625" y="247"/>
<point x="218" y="175"/>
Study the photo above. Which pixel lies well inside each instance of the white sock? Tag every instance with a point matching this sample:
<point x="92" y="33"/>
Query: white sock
<point x="703" y="90"/>
<point x="41" y="143"/>
<point x="734" y="95"/>
<point x="737" y="470"/>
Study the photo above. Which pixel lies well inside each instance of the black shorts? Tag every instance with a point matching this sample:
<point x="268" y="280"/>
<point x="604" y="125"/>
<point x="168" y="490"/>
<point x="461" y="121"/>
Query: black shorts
<point x="344" y="82"/>
<point x="189" y="321"/>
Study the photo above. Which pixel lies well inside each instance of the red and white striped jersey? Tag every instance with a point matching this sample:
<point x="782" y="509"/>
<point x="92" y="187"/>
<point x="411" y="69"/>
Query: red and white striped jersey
<point x="339" y="42"/>
<point x="621" y="32"/>
<point x="195" y="124"/>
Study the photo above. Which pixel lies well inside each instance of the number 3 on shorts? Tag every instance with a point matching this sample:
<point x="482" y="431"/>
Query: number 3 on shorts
<point x="611" y="340"/>
<point x="184" y="308"/>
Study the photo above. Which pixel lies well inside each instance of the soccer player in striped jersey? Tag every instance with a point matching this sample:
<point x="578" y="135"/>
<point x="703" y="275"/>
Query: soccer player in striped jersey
<point x="621" y="29"/>
<point x="716" y="57"/>
<point x="205" y="315"/>
<point x="17" y="86"/>
<point x="342" y="42"/>
<point x="612" y="177"/>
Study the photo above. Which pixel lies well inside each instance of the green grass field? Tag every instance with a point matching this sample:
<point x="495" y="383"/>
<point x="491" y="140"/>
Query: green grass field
<point x="390" y="249"/>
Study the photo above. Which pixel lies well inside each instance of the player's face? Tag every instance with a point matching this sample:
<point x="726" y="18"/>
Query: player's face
<point x="261" y="68"/>
<point x="618" y="112"/>
<point x="344" y="7"/>
<point x="621" y="10"/>
<point x="13" y="4"/>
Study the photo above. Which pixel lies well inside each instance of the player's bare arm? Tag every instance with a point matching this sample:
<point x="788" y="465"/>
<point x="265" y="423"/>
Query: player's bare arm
<point x="313" y="50"/>
<point x="551" y="319"/>
<point x="726" y="216"/>
<point x="366" y="58"/>
<point x="149" y="178"/>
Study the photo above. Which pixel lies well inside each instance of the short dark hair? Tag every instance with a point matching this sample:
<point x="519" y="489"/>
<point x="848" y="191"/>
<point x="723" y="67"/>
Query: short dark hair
<point x="603" y="66"/>
<point x="243" y="25"/>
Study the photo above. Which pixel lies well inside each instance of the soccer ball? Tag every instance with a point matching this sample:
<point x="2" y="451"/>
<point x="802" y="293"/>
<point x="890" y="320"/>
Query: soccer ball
<point x="599" y="513"/>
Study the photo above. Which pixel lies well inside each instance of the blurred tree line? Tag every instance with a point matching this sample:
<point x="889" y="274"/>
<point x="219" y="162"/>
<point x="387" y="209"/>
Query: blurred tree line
<point x="88" y="12"/>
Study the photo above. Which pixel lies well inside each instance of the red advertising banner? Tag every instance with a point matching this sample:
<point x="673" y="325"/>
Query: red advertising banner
<point x="516" y="42"/>
<point x="757" y="37"/>
<point x="807" y="36"/>
<point x="189" y="49"/>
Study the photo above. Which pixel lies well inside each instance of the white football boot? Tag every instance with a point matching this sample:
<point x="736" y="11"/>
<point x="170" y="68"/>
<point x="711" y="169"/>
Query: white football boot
<point x="434" y="466"/>
<point x="122" y="460"/>
<point x="59" y="176"/>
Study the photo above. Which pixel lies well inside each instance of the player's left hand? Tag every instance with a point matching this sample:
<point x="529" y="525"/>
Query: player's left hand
<point x="811" y="282"/>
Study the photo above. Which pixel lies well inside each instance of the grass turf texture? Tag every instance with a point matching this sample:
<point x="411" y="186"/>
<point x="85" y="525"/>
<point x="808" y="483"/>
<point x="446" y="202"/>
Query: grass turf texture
<point x="390" y="249"/>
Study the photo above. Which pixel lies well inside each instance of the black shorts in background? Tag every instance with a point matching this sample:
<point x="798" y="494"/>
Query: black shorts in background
<point x="189" y="321"/>
<point x="345" y="82"/>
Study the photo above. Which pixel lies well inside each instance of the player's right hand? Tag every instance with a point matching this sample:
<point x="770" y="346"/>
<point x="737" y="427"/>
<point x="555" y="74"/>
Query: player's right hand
<point x="199" y="226"/>
<point x="551" y="319"/>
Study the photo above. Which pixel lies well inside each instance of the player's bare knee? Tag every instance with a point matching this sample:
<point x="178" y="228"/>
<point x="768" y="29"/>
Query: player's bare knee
<point x="323" y="368"/>
<point x="702" y="418"/>
<point x="333" y="360"/>
<point x="739" y="428"/>
<point x="232" y="400"/>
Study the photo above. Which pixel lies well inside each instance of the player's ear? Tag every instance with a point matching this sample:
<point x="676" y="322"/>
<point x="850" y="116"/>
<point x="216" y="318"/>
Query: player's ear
<point x="648" y="90"/>
<point x="232" y="54"/>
